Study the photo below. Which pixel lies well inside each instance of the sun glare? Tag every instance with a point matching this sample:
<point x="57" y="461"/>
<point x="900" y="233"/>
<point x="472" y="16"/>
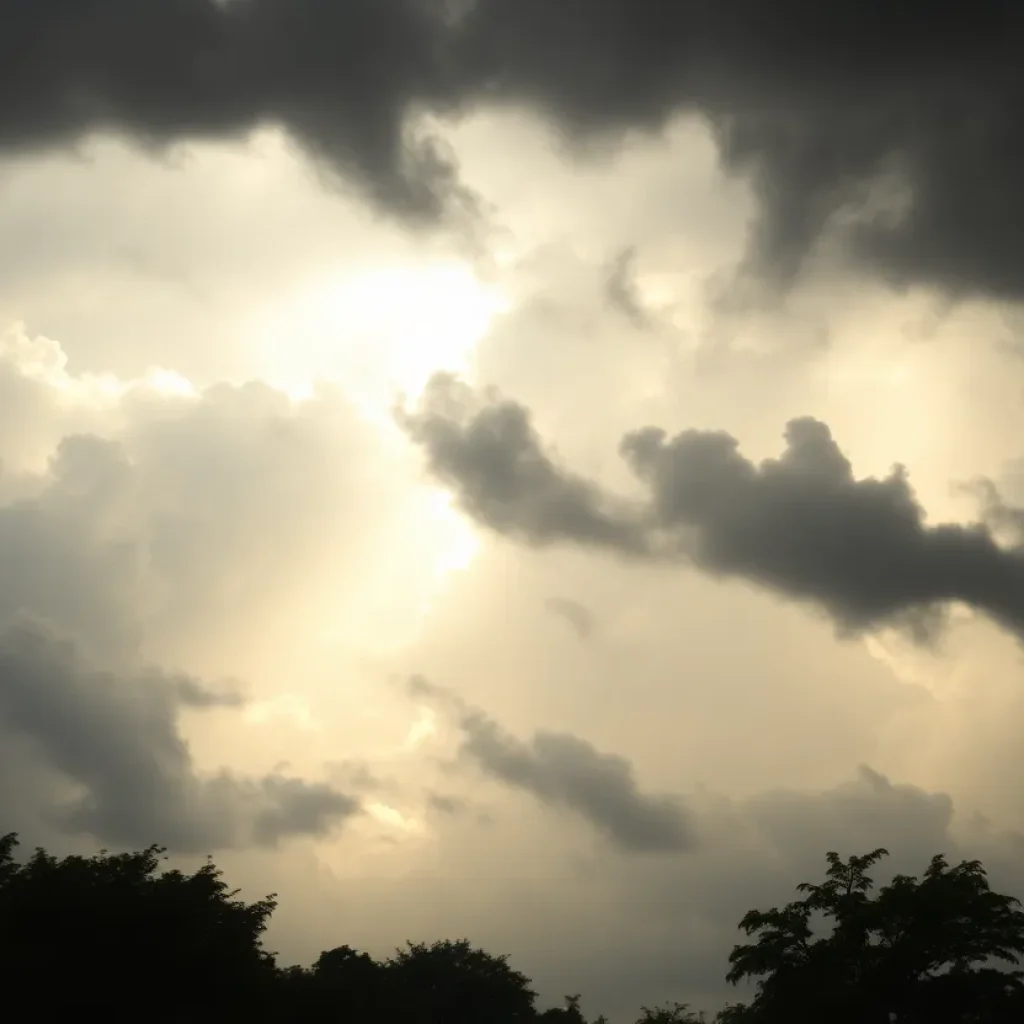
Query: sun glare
<point x="380" y="332"/>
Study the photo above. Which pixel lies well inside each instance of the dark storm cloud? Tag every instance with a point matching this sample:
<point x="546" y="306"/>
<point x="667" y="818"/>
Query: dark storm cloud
<point x="341" y="75"/>
<point x="567" y="772"/>
<point x="490" y="453"/>
<point x="801" y="525"/>
<point x="115" y="738"/>
<point x="820" y="103"/>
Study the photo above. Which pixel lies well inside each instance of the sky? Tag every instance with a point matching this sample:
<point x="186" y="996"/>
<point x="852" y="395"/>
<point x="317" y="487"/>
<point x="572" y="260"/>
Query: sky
<point x="543" y="472"/>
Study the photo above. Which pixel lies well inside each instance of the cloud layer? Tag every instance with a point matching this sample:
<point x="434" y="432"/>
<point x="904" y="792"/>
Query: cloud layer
<point x="116" y="741"/>
<point x="202" y="68"/>
<point x="146" y="525"/>
<point x="899" y="128"/>
<point x="802" y="525"/>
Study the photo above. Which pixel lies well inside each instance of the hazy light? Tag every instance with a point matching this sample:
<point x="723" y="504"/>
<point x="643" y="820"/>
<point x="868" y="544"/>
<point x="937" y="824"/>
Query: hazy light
<point x="422" y="729"/>
<point x="290" y="706"/>
<point x="380" y="332"/>
<point x="169" y="382"/>
<point x="388" y="815"/>
<point x="44" y="360"/>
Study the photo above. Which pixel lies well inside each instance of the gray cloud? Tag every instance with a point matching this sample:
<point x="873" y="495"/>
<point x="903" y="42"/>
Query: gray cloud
<point x="621" y="291"/>
<point x="445" y="804"/>
<point x="191" y="693"/>
<point x="340" y="76"/>
<point x="194" y="530"/>
<point x="202" y="530"/>
<point x="567" y="772"/>
<point x="491" y="454"/>
<point x="291" y="806"/>
<point x="452" y="807"/>
<point x="997" y="513"/>
<point x="801" y="525"/>
<point x="577" y="615"/>
<point x="928" y="122"/>
<point x="115" y="739"/>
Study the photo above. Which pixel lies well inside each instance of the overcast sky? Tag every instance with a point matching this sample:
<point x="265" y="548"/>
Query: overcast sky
<point x="531" y="470"/>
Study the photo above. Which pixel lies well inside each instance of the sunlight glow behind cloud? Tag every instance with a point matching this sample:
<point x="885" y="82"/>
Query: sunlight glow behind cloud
<point x="380" y="331"/>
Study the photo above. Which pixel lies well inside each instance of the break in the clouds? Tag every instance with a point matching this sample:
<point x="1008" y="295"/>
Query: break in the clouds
<point x="898" y="127"/>
<point x="802" y="524"/>
<point x="566" y="772"/>
<point x="123" y="772"/>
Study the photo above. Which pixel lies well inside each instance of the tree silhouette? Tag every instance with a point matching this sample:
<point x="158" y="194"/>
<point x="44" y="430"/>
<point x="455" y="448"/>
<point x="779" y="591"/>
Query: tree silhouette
<point x="82" y="933"/>
<point x="455" y="983"/>
<point x="921" y="951"/>
<point x="114" y="936"/>
<point x="568" y="1014"/>
<point x="571" y="1013"/>
<point x="674" y="1013"/>
<point x="343" y="984"/>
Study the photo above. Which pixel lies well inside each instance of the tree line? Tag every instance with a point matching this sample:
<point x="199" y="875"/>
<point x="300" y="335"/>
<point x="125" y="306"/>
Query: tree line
<point x="122" y="937"/>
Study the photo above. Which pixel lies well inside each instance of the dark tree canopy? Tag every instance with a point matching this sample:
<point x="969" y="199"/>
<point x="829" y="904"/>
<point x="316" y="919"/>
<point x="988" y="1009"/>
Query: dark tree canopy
<point x="80" y="931"/>
<point x="452" y="981"/>
<point x="929" y="950"/>
<point x="116" y="937"/>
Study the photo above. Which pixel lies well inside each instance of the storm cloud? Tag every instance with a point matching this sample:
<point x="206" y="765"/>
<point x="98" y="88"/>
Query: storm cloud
<point x="898" y="129"/>
<point x="489" y="453"/>
<point x="802" y="525"/>
<point x="340" y="76"/>
<point x="904" y="117"/>
<point x="115" y="740"/>
<point x="566" y="772"/>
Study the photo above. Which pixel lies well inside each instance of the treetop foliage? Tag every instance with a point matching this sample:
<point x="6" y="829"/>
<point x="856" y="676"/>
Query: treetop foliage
<point x="125" y="936"/>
